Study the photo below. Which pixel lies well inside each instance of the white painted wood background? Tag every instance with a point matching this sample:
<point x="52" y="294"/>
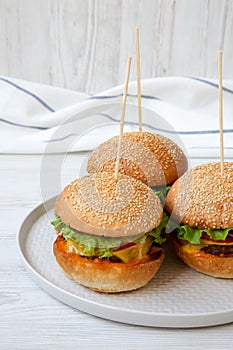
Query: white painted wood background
<point x="84" y="44"/>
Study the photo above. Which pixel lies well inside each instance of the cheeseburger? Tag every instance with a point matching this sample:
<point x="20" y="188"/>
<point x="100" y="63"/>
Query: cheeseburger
<point x="201" y="201"/>
<point x="110" y="232"/>
<point x="151" y="158"/>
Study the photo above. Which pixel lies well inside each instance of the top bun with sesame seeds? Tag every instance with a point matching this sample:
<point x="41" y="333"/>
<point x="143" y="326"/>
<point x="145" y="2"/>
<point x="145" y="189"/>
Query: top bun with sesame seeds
<point x="110" y="232"/>
<point x="202" y="202"/>
<point x="102" y="205"/>
<point x="203" y="197"/>
<point x="151" y="158"/>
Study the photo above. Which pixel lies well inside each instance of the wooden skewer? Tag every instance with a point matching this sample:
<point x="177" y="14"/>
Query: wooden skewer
<point x="138" y="80"/>
<point x="220" y="109"/>
<point x="122" y="118"/>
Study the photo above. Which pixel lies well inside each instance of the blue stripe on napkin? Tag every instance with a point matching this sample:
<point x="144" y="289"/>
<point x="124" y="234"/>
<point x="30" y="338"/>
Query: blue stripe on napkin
<point x="22" y="125"/>
<point x="212" y="84"/>
<point x="103" y="97"/>
<point x="43" y="103"/>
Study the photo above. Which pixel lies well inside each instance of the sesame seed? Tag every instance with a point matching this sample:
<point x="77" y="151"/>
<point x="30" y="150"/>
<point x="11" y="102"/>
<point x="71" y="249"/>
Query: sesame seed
<point x="205" y="196"/>
<point x="112" y="202"/>
<point x="151" y="158"/>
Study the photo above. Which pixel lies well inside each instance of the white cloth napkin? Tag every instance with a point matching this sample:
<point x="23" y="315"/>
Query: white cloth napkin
<point x="37" y="118"/>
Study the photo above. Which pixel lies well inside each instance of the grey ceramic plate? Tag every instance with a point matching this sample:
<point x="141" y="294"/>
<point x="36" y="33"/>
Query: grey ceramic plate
<point x="176" y="297"/>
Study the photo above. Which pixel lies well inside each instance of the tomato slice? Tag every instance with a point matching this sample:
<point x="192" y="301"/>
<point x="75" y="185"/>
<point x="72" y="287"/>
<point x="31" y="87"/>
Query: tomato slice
<point x="229" y="238"/>
<point x="126" y="245"/>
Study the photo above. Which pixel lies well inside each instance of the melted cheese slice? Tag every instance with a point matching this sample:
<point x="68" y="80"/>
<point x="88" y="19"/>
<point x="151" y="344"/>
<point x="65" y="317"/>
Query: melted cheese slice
<point x="195" y="248"/>
<point x="76" y="248"/>
<point x="137" y="251"/>
<point x="192" y="248"/>
<point x="127" y="254"/>
<point x="210" y="241"/>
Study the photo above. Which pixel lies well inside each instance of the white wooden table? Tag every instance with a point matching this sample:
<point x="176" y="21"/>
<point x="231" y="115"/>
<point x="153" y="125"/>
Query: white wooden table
<point x="31" y="319"/>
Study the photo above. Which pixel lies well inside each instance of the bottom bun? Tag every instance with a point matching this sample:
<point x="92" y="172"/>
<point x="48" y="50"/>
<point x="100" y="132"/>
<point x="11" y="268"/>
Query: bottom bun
<point x="212" y="265"/>
<point x="106" y="276"/>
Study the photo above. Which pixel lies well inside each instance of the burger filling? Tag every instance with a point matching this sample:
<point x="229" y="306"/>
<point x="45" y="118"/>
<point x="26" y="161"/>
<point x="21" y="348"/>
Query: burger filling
<point x="121" y="249"/>
<point x="214" y="242"/>
<point x="162" y="192"/>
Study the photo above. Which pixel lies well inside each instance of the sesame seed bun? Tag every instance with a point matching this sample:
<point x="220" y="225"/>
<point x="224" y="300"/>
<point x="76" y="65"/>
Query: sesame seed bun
<point x="203" y="198"/>
<point x="100" y="205"/>
<point x="105" y="276"/>
<point x="150" y="158"/>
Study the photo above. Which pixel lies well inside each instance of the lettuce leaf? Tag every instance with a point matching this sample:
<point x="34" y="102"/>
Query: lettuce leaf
<point x="103" y="247"/>
<point x="193" y="235"/>
<point x="162" y="192"/>
<point x="157" y="233"/>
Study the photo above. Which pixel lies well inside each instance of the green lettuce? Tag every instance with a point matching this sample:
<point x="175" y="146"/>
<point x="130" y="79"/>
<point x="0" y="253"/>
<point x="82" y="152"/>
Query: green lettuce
<point x="193" y="235"/>
<point x="104" y="246"/>
<point x="162" y="192"/>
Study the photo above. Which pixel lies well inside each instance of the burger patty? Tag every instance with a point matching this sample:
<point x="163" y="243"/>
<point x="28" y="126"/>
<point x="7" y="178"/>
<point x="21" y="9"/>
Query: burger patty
<point x="218" y="250"/>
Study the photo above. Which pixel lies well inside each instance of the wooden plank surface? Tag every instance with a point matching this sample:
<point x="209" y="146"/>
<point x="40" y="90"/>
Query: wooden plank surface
<point x="84" y="45"/>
